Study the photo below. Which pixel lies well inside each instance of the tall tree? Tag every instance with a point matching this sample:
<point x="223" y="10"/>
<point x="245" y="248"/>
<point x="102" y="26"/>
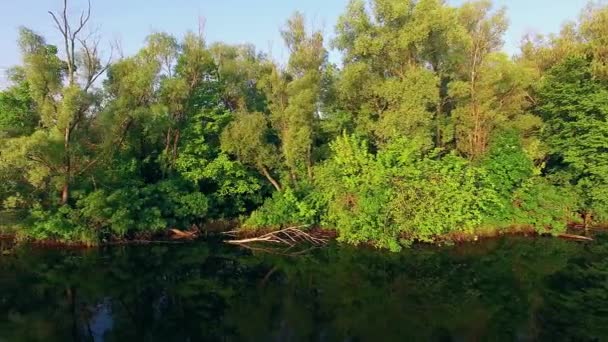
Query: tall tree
<point x="574" y="105"/>
<point x="247" y="138"/>
<point x="594" y="33"/>
<point x="63" y="93"/>
<point x="398" y="59"/>
<point x="294" y="94"/>
<point x="18" y="114"/>
<point x="473" y="116"/>
<point x="80" y="54"/>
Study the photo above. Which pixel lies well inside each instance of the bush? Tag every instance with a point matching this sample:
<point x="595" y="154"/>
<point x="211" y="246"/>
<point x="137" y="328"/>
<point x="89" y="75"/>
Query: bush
<point x="62" y="225"/>
<point x="544" y="206"/>
<point x="506" y="167"/>
<point x="283" y="209"/>
<point x="143" y="208"/>
<point x="356" y="192"/>
<point x="131" y="209"/>
<point x="523" y="198"/>
<point x="397" y="196"/>
<point x="441" y="196"/>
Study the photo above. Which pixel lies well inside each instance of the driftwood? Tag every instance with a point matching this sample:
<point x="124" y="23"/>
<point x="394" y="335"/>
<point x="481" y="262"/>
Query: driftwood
<point x="575" y="237"/>
<point x="288" y="236"/>
<point x="177" y="234"/>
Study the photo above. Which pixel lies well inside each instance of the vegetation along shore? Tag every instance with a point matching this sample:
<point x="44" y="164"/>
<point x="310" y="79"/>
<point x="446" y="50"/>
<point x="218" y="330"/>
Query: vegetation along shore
<point x="426" y="131"/>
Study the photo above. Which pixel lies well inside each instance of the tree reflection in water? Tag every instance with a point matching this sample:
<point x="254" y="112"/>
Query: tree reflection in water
<point x="504" y="289"/>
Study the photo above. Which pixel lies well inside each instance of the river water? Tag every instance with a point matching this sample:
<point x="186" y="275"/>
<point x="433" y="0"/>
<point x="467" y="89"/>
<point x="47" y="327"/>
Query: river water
<point x="507" y="289"/>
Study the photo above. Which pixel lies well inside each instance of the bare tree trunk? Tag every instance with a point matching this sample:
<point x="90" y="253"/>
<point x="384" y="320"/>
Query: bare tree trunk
<point x="473" y="136"/>
<point x="65" y="193"/>
<point x="310" y="172"/>
<point x="70" y="35"/>
<point x="272" y="180"/>
<point x="168" y="141"/>
<point x="586" y="220"/>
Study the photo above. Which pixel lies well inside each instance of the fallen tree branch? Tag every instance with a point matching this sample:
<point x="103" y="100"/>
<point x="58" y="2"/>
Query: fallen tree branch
<point x="288" y="236"/>
<point x="182" y="235"/>
<point x="575" y="237"/>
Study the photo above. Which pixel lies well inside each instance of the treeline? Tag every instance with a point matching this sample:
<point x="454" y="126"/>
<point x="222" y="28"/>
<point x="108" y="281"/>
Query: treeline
<point x="426" y="129"/>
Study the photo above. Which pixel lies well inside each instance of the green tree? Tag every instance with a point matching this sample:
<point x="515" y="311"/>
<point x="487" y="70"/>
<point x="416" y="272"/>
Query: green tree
<point x="247" y="138"/>
<point x="61" y="149"/>
<point x="18" y="114"/>
<point x="396" y="65"/>
<point x="574" y="105"/>
<point x="474" y="116"/>
<point x="293" y="96"/>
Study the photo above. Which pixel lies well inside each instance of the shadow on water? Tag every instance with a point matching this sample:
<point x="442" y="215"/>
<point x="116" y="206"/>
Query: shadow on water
<point x="510" y="289"/>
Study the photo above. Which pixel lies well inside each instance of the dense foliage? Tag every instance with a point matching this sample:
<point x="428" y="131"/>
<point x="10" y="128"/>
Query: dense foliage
<point x="426" y="130"/>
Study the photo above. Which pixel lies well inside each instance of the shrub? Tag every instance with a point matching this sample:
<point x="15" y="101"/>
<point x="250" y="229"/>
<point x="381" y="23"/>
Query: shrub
<point x="132" y="208"/>
<point x="544" y="206"/>
<point x="397" y="196"/>
<point x="441" y="196"/>
<point x="62" y="225"/>
<point x="356" y="192"/>
<point x="285" y="208"/>
<point x="143" y="208"/>
<point x="506" y="167"/>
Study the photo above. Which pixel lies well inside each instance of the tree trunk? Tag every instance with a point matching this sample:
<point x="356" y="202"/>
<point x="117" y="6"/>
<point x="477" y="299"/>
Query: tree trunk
<point x="168" y="141"/>
<point x="175" y="145"/>
<point x="309" y="163"/>
<point x="438" y="117"/>
<point x="272" y="180"/>
<point x="65" y="191"/>
<point x="586" y="219"/>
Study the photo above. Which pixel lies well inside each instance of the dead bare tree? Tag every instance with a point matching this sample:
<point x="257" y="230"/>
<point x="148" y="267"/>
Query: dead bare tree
<point x="90" y="63"/>
<point x="70" y="35"/>
<point x="202" y="23"/>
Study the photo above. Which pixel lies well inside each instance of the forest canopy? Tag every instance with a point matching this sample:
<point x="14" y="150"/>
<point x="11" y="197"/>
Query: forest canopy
<point x="425" y="130"/>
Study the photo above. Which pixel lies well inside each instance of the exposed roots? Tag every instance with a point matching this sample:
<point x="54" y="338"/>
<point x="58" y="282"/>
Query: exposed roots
<point x="288" y="236"/>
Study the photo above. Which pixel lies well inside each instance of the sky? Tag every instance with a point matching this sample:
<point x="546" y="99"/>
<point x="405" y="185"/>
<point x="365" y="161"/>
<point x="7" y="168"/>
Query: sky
<point x="234" y="21"/>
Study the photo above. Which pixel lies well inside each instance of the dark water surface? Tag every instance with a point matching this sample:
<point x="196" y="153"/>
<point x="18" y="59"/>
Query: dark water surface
<point x="510" y="289"/>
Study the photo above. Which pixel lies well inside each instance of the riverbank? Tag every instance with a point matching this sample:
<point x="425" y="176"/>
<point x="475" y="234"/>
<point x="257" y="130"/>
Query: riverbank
<point x="225" y="230"/>
<point x="12" y="232"/>
<point x="247" y="236"/>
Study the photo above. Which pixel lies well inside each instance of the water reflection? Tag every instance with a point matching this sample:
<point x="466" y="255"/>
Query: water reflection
<point x="513" y="289"/>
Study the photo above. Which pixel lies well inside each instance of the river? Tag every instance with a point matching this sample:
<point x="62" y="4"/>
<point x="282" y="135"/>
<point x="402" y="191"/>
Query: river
<point x="505" y="289"/>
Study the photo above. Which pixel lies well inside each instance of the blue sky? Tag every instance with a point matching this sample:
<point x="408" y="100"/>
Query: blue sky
<point x="236" y="21"/>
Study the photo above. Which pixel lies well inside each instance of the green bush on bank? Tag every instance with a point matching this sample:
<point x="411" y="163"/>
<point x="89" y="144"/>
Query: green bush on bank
<point x="136" y="209"/>
<point x="418" y="135"/>
<point x="393" y="200"/>
<point x="283" y="209"/>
